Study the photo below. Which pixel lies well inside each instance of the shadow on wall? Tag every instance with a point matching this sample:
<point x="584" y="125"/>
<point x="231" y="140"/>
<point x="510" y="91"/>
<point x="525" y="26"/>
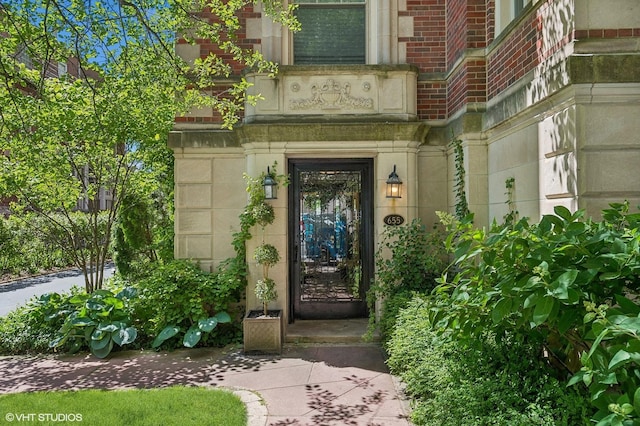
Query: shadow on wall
<point x="555" y="25"/>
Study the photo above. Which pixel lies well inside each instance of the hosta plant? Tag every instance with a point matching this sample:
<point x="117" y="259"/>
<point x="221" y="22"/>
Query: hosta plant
<point x="99" y="320"/>
<point x="194" y="333"/>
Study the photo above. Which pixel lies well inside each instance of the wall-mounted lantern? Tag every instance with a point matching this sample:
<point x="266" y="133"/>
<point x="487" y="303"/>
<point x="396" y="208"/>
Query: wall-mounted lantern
<point x="270" y="186"/>
<point x="394" y="185"/>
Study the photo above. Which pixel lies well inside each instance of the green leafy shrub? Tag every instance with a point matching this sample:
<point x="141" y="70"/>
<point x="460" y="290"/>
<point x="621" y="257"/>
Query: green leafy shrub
<point x="20" y="333"/>
<point x="409" y="259"/>
<point x="142" y="234"/>
<point x="180" y="299"/>
<point x="390" y="311"/>
<point x="569" y="283"/>
<point x="266" y="255"/>
<point x="487" y="381"/>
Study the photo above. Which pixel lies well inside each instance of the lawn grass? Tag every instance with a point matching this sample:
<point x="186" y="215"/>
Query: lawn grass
<point x="176" y="405"/>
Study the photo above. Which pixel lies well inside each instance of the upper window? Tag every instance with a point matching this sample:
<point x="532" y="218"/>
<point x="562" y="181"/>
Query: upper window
<point x="333" y="32"/>
<point x="508" y="10"/>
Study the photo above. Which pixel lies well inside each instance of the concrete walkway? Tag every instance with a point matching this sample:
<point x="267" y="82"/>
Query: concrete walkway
<point x="323" y="384"/>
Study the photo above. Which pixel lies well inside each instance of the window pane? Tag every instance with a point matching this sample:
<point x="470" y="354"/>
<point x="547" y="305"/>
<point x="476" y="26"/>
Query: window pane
<point x="518" y="5"/>
<point x="330" y="35"/>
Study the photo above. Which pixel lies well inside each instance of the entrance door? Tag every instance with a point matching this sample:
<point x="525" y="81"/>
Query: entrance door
<point x="331" y="237"/>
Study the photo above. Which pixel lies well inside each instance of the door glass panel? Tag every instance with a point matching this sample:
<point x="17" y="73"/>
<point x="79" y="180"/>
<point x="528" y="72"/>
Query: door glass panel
<point x="330" y="236"/>
<point x="331" y="222"/>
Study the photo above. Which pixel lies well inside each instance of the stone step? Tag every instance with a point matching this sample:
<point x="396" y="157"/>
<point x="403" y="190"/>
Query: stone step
<point x="329" y="331"/>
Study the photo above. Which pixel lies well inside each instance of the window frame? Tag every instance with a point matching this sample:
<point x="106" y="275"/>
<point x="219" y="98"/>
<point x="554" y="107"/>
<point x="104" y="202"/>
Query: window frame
<point x="370" y="30"/>
<point x="336" y="5"/>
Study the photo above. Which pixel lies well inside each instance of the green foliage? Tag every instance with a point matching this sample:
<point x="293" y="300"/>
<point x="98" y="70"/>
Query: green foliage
<point x="462" y="207"/>
<point x="512" y="216"/>
<point x="259" y="212"/>
<point x="103" y="126"/>
<point x="566" y="282"/>
<point x="25" y="248"/>
<point x="134" y="41"/>
<point x="30" y="328"/>
<point x="72" y="134"/>
<point x="266" y="255"/>
<point x="179" y="299"/>
<point x="98" y="320"/>
<point x="133" y="233"/>
<point x="391" y="308"/>
<point x="266" y="292"/>
<point x="263" y="213"/>
<point x="143" y="233"/>
<point x="193" y="335"/>
<point x="487" y="382"/>
<point x="8" y="248"/>
<point x="409" y="259"/>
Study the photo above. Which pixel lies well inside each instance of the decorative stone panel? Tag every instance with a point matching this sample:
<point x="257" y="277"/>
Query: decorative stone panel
<point x="385" y="92"/>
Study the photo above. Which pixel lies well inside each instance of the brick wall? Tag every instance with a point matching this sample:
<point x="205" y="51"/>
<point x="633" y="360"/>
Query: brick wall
<point x="466" y="24"/>
<point x="432" y="100"/>
<point x="467" y="85"/>
<point x="516" y="56"/>
<point x="456" y="30"/>
<point x="207" y="47"/>
<point x="447" y="30"/>
<point x="537" y="37"/>
<point x="607" y="33"/>
<point x="490" y="23"/>
<point x="427" y="47"/>
<point x="466" y="27"/>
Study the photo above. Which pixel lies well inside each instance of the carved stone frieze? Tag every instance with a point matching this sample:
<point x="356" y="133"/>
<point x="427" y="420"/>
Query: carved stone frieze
<point x="331" y="95"/>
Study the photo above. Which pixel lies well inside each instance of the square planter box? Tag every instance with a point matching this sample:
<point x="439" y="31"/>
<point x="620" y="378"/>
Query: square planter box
<point x="263" y="334"/>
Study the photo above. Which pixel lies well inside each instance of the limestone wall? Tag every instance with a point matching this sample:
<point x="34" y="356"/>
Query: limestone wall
<point x="609" y="145"/>
<point x="607" y="14"/>
<point x="210" y="195"/>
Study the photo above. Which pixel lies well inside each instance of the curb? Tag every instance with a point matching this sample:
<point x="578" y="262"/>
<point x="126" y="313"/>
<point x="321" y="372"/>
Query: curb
<point x="256" y="409"/>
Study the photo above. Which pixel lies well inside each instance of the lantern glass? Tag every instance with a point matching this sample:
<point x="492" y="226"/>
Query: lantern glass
<point x="394" y="185"/>
<point x="270" y="186"/>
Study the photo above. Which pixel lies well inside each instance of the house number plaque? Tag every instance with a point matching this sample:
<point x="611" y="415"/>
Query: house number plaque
<point x="393" y="220"/>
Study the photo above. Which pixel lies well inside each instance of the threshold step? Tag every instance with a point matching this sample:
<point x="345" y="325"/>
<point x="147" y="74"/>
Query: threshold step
<point x="329" y="331"/>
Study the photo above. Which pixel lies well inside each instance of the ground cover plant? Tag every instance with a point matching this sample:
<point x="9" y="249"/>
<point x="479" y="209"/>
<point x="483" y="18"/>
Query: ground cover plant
<point x="487" y="381"/>
<point x="199" y="301"/>
<point x="131" y="314"/>
<point x="173" y="405"/>
<point x="26" y="331"/>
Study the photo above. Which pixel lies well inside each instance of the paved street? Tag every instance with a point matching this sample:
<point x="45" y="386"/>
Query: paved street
<point x="19" y="292"/>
